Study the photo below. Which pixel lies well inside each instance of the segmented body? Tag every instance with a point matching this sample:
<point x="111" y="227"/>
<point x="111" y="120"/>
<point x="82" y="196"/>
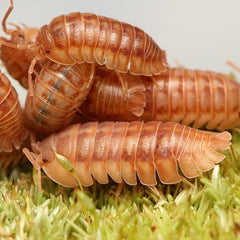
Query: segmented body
<point x="12" y="130"/>
<point x="17" y="61"/>
<point x="116" y="96"/>
<point x="59" y="90"/>
<point x="201" y="98"/>
<point x="86" y="37"/>
<point x="123" y="149"/>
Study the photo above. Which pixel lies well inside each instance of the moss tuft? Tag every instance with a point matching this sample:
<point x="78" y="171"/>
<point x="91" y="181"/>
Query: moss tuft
<point x="210" y="210"/>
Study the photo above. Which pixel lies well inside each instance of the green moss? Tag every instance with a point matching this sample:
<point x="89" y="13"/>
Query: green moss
<point x="210" y="210"/>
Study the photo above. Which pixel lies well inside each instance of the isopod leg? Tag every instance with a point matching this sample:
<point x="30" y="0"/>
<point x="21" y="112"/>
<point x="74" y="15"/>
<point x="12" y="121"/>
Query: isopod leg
<point x="35" y="162"/>
<point x="30" y="72"/>
<point x="234" y="66"/>
<point x="119" y="190"/>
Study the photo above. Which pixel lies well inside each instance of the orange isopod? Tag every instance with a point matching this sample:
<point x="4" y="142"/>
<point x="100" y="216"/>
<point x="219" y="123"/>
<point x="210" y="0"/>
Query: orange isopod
<point x="58" y="92"/>
<point x="17" y="61"/>
<point x="192" y="97"/>
<point x="86" y="37"/>
<point x="123" y="149"/>
<point x="12" y="130"/>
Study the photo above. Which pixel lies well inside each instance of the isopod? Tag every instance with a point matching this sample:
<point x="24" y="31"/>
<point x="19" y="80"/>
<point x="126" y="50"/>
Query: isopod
<point x="12" y="130"/>
<point x="123" y="149"/>
<point x="116" y="97"/>
<point x="192" y="97"/>
<point x="58" y="92"/>
<point x="86" y="37"/>
<point x="17" y="61"/>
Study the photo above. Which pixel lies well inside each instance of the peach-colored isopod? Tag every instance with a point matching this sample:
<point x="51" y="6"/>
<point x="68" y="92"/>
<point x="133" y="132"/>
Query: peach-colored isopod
<point x="123" y="149"/>
<point x="192" y="97"/>
<point x="58" y="92"/>
<point x="17" y="61"/>
<point x="12" y="130"/>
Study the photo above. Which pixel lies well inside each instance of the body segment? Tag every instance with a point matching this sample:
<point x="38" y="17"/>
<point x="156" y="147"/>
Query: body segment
<point x="126" y="151"/>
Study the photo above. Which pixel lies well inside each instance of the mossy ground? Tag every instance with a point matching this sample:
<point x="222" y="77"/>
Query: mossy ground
<point x="209" y="210"/>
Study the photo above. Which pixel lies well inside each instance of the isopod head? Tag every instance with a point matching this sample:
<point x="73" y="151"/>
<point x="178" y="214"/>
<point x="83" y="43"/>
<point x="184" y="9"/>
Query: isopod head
<point x="51" y="50"/>
<point x="18" y="51"/>
<point x="54" y="165"/>
<point x="17" y="61"/>
<point x="44" y="42"/>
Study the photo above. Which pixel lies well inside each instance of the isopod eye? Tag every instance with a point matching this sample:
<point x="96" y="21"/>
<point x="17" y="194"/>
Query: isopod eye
<point x="21" y="36"/>
<point x="47" y="51"/>
<point x="45" y="160"/>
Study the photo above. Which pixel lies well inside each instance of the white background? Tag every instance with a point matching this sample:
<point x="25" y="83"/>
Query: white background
<point x="200" y="34"/>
